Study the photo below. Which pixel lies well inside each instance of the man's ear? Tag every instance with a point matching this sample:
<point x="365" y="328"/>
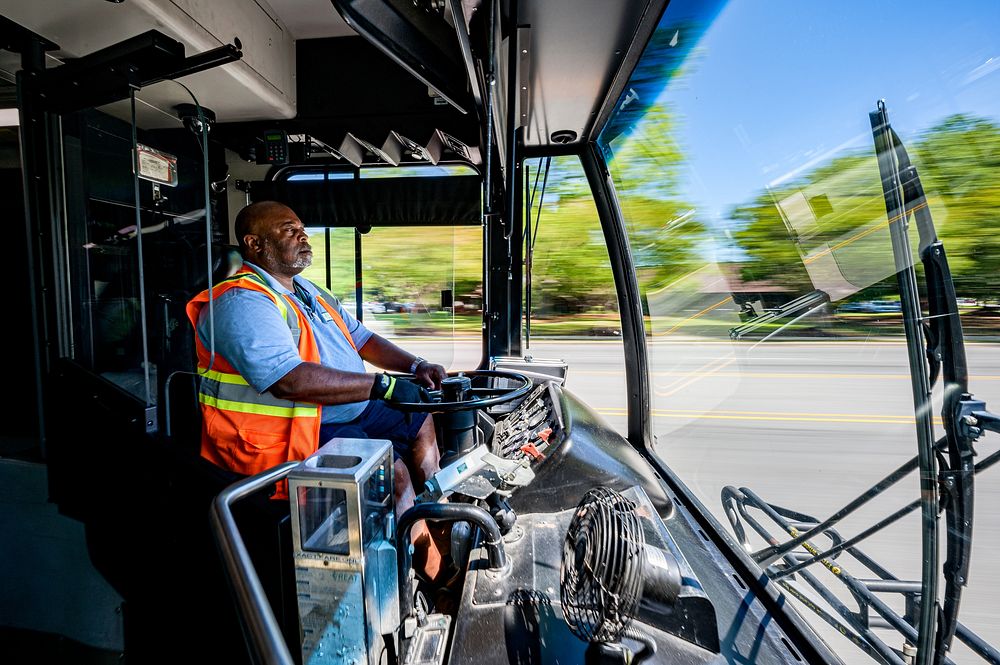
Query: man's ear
<point x="252" y="242"/>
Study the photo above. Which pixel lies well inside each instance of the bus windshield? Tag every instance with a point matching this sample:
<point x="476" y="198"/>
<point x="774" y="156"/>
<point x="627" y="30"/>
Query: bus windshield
<point x="771" y="290"/>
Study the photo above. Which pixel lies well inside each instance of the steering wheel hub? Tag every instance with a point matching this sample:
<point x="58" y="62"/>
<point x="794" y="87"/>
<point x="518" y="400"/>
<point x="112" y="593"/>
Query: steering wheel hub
<point x="475" y="389"/>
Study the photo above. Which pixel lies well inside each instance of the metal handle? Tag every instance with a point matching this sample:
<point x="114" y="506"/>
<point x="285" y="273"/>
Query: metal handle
<point x="263" y="633"/>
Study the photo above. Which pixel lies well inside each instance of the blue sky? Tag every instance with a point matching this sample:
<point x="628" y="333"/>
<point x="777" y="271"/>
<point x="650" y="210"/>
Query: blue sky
<point x="778" y="85"/>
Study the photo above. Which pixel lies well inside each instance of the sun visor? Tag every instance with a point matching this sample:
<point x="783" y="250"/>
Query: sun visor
<point x="423" y="43"/>
<point x="402" y="201"/>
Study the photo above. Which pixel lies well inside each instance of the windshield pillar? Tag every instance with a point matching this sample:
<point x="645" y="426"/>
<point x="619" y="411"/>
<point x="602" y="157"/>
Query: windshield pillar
<point x="629" y="300"/>
<point x="502" y="273"/>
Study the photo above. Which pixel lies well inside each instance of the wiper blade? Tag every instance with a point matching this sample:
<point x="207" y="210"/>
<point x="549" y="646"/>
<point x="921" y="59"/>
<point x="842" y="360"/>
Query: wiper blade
<point x="809" y="303"/>
<point x="963" y="417"/>
<point x="946" y="347"/>
<point x="946" y="350"/>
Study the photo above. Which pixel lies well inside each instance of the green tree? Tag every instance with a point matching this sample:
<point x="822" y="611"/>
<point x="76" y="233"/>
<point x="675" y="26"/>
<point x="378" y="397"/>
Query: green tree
<point x="665" y="232"/>
<point x="959" y="165"/>
<point x="571" y="272"/>
<point x="838" y="210"/>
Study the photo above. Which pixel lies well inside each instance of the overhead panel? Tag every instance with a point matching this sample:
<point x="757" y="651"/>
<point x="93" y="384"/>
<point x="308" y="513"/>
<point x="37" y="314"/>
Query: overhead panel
<point x="576" y="49"/>
<point x="420" y="42"/>
<point x="261" y="85"/>
<point x="436" y="200"/>
<point x="376" y="113"/>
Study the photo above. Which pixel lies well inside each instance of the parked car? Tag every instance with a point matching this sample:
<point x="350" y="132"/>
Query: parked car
<point x="870" y="306"/>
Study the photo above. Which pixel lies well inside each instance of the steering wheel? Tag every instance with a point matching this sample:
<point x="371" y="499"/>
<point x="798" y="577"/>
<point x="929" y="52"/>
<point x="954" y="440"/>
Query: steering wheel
<point x="443" y="401"/>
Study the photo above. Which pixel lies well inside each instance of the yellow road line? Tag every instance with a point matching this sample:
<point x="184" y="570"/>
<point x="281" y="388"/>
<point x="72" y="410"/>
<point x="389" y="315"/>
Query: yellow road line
<point x="776" y="375"/>
<point x="879" y="419"/>
<point x="667" y="392"/>
<point x="701" y="313"/>
<point x="705" y="367"/>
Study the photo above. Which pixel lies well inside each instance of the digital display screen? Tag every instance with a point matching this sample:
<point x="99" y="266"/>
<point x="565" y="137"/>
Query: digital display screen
<point x="323" y="520"/>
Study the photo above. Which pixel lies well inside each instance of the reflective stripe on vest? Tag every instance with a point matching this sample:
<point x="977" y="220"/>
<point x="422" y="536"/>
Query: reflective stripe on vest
<point x="232" y="393"/>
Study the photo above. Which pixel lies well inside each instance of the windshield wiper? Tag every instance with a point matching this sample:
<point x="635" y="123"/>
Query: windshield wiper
<point x="800" y="307"/>
<point x="890" y="170"/>
<point x="963" y="417"/>
<point x="925" y="623"/>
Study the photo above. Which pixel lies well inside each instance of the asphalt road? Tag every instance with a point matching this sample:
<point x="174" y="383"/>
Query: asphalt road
<point x="806" y="425"/>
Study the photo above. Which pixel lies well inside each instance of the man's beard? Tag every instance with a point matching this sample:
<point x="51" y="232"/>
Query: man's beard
<point x="301" y="262"/>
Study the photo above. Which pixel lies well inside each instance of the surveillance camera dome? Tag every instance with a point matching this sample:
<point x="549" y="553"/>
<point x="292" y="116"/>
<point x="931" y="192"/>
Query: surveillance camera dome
<point x="194" y="116"/>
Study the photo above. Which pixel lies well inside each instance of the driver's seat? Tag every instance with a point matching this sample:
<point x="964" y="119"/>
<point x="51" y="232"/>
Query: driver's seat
<point x="181" y="415"/>
<point x="194" y="484"/>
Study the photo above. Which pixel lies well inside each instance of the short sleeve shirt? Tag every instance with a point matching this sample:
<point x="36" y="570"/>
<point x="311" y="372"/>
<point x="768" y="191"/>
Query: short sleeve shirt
<point x="254" y="337"/>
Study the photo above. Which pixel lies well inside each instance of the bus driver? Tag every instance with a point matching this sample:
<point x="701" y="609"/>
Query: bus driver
<point x="283" y="347"/>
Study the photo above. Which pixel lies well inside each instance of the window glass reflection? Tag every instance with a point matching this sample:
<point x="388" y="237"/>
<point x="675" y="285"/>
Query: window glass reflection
<point x="743" y="158"/>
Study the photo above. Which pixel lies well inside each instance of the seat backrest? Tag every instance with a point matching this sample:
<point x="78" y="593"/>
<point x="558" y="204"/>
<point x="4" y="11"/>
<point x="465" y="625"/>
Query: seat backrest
<point x="181" y="414"/>
<point x="226" y="260"/>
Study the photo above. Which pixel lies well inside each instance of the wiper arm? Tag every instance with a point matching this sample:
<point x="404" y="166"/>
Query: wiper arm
<point x="964" y="418"/>
<point x="957" y="478"/>
<point x="898" y="215"/>
<point x="808" y="303"/>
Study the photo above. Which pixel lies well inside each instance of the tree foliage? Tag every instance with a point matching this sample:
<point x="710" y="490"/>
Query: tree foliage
<point x="833" y="213"/>
<point x="838" y="210"/>
<point x="667" y="236"/>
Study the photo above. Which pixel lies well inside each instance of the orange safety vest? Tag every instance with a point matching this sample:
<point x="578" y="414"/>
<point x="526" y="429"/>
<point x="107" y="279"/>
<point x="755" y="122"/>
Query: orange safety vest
<point x="243" y="430"/>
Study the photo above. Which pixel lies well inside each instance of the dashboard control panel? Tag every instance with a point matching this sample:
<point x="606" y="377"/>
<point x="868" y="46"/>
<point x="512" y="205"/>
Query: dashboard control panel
<point x="532" y="429"/>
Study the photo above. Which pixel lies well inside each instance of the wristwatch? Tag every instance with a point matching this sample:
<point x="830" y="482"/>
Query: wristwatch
<point x="416" y="363"/>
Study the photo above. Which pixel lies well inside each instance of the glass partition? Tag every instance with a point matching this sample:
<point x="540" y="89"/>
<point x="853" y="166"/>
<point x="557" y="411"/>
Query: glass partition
<point x="145" y="239"/>
<point x="744" y="162"/>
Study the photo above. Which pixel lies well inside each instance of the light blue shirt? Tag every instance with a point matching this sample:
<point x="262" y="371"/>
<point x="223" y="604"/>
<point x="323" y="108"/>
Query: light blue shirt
<point x="254" y="337"/>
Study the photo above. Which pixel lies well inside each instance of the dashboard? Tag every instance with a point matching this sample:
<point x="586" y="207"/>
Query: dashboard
<point x="519" y="610"/>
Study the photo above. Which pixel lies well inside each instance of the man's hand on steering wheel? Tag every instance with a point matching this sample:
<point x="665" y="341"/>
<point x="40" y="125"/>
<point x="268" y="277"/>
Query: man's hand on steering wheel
<point x="392" y="389"/>
<point x="398" y="390"/>
<point x="429" y="374"/>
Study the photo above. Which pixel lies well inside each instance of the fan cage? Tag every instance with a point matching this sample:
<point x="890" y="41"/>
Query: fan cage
<point x="602" y="564"/>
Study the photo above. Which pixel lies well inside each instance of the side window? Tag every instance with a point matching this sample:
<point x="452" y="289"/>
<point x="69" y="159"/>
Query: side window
<point x="333" y="262"/>
<point x="571" y="307"/>
<point x="421" y="286"/>
<point x="402" y="248"/>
